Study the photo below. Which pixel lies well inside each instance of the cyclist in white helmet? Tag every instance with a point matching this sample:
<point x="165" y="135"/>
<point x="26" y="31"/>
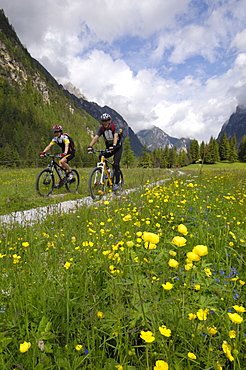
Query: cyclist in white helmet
<point x="113" y="141"/>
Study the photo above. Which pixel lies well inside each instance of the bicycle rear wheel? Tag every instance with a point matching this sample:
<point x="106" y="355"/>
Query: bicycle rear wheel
<point x="45" y="182"/>
<point x="72" y="185"/>
<point x="96" y="187"/>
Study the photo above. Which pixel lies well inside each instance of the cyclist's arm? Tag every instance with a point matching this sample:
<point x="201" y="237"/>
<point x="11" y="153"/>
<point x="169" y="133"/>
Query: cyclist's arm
<point x="66" y="148"/>
<point x="94" y="140"/>
<point x="48" y="147"/>
<point x="115" y="139"/>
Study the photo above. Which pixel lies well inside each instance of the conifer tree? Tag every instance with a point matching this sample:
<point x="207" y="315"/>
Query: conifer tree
<point x="233" y="156"/>
<point x="224" y="147"/>
<point x="212" y="152"/>
<point x="242" y="150"/>
<point x="145" y="158"/>
<point x="128" y="157"/>
<point x="193" y="151"/>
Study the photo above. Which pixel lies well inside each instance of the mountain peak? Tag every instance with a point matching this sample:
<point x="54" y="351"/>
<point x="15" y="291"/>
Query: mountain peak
<point x="74" y="90"/>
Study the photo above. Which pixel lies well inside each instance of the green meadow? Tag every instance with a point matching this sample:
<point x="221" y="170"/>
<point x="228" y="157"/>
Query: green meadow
<point x="152" y="279"/>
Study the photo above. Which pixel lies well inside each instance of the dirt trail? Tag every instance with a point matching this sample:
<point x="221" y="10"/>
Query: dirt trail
<point x="31" y="216"/>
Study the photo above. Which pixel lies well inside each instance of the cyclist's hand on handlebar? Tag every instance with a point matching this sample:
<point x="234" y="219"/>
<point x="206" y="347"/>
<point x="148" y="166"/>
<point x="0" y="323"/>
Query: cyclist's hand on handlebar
<point x="62" y="155"/>
<point x="90" y="149"/>
<point x="42" y="154"/>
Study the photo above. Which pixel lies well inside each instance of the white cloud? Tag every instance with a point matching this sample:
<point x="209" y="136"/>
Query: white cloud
<point x="177" y="64"/>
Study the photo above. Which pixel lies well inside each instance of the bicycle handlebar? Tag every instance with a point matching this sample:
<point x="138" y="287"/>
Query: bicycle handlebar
<point x="50" y="155"/>
<point x="100" y="151"/>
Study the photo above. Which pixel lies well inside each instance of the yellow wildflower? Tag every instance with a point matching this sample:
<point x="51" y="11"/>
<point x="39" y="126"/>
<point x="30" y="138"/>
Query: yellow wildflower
<point x="212" y="330"/>
<point x="234" y="317"/>
<point x="202" y="314"/>
<point x="67" y="265"/>
<point x="161" y="365"/>
<point x="100" y="314"/>
<point x="191" y="355"/>
<point x="192" y="316"/>
<point x="164" y="331"/>
<point x="201" y="250"/>
<point x="182" y="229"/>
<point x="193" y="256"/>
<point x="239" y="308"/>
<point x="167" y="286"/>
<point x="24" y="347"/>
<point x="150" y="237"/>
<point x="147" y="336"/>
<point x="173" y="263"/>
<point x="227" y="350"/>
<point x="179" y="241"/>
<point x="232" y="334"/>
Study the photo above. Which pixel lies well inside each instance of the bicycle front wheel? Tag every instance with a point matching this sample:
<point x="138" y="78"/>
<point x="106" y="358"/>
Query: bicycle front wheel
<point x="45" y="182"/>
<point x="96" y="187"/>
<point x="72" y="185"/>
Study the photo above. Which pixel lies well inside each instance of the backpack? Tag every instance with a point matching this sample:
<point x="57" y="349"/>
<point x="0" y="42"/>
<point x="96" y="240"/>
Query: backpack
<point x="112" y="127"/>
<point x="71" y="144"/>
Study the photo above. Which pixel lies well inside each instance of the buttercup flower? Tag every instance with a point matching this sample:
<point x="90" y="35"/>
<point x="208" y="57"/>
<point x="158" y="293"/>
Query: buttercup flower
<point x="167" y="286"/>
<point x="172" y="253"/>
<point x="67" y="265"/>
<point x="150" y="237"/>
<point x="129" y="244"/>
<point x="239" y="308"/>
<point x="179" y="241"/>
<point x="212" y="330"/>
<point x="78" y="347"/>
<point x="182" y="229"/>
<point x="232" y="334"/>
<point x="201" y="250"/>
<point x="173" y="263"/>
<point x="227" y="350"/>
<point x="193" y="256"/>
<point x="161" y="365"/>
<point x="119" y="367"/>
<point x="100" y="314"/>
<point x="147" y="336"/>
<point x="192" y="316"/>
<point x="164" y="331"/>
<point x="234" y="317"/>
<point x="202" y="314"/>
<point x="208" y="272"/>
<point x="25" y="244"/>
<point x="191" y="355"/>
<point x="24" y="347"/>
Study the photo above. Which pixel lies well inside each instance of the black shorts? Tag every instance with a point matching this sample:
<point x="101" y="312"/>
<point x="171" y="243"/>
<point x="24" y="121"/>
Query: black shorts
<point x="70" y="155"/>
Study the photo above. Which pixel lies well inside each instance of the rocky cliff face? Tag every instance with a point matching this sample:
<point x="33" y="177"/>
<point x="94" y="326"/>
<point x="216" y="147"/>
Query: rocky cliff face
<point x="96" y="111"/>
<point x="156" y="138"/>
<point x="236" y="125"/>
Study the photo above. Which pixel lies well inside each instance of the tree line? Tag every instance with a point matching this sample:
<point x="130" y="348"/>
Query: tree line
<point x="223" y="149"/>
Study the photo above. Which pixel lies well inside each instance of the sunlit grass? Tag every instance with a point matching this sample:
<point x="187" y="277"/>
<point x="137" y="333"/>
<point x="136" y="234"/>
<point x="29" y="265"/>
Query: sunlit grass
<point x="151" y="280"/>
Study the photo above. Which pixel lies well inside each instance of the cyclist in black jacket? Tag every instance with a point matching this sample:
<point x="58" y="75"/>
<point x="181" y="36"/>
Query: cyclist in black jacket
<point x="113" y="141"/>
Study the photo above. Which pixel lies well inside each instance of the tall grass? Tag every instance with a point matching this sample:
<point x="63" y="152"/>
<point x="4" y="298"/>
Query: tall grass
<point x="114" y="286"/>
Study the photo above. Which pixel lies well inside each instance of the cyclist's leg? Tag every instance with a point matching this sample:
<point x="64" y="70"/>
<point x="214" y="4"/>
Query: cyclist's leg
<point x="64" y="161"/>
<point x="117" y="158"/>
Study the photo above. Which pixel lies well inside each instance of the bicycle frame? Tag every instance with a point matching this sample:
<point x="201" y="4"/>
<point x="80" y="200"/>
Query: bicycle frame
<point x="53" y="165"/>
<point x="103" y="164"/>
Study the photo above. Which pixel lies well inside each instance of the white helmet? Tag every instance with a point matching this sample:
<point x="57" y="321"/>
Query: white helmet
<point x="105" y="117"/>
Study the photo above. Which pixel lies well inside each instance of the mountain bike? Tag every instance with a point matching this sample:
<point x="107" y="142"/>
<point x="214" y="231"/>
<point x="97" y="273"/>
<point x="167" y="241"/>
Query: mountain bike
<point x="45" y="182"/>
<point x="102" y="177"/>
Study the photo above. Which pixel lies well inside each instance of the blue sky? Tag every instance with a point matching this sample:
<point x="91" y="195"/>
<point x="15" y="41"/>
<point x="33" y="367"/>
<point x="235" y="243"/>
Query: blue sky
<point x="176" y="64"/>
